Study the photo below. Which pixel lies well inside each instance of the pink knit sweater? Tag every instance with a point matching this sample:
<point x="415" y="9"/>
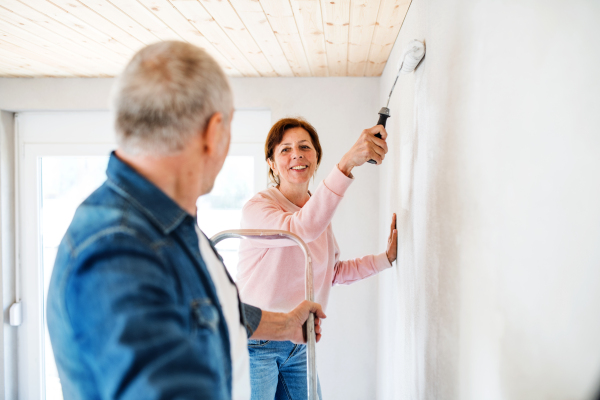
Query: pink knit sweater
<point x="271" y="273"/>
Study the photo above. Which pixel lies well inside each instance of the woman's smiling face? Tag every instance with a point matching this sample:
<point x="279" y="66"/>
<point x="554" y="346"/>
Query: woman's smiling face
<point x="295" y="157"/>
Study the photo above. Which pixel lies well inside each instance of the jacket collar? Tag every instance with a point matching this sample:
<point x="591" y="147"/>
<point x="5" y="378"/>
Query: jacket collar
<point x="160" y="209"/>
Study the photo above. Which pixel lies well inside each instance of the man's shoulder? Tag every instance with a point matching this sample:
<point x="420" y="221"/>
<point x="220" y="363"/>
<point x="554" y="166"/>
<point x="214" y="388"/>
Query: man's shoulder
<point x="106" y="214"/>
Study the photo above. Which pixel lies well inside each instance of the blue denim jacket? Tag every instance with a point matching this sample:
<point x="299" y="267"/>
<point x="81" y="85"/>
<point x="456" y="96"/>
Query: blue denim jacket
<point x="132" y="312"/>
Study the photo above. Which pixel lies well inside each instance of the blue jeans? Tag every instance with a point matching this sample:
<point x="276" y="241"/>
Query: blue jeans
<point x="278" y="370"/>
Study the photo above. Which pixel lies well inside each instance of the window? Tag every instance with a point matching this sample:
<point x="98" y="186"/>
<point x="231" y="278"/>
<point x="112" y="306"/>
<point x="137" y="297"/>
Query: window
<point x="243" y="175"/>
<point x="222" y="208"/>
<point x="63" y="160"/>
<point x="65" y="182"/>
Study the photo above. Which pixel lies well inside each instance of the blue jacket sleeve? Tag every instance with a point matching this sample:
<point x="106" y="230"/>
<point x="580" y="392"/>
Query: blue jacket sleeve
<point x="134" y="331"/>
<point x="252" y="317"/>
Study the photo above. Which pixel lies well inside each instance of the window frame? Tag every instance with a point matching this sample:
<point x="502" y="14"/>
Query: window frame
<point x="60" y="135"/>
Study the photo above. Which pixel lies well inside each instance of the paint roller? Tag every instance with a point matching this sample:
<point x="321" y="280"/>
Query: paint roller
<point x="411" y="58"/>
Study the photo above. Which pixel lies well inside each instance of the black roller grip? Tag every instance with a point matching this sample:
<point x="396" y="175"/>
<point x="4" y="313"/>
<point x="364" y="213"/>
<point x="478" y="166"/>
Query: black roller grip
<point x="382" y="119"/>
<point x="383" y="116"/>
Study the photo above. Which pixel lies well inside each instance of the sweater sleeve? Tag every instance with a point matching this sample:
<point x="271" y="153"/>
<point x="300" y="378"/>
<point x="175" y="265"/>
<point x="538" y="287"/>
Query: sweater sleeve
<point x="308" y="223"/>
<point x="350" y="271"/>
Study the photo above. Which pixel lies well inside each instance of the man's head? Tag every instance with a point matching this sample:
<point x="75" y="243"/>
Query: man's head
<point x="173" y="109"/>
<point x="167" y="93"/>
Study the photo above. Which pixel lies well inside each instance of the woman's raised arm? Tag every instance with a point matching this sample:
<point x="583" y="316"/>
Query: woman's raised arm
<point x="309" y="222"/>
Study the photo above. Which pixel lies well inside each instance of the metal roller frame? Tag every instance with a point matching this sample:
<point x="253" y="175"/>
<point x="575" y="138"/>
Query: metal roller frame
<point x="311" y="369"/>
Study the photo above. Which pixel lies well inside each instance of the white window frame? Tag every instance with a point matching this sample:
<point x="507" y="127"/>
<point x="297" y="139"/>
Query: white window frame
<point x="79" y="134"/>
<point x="85" y="133"/>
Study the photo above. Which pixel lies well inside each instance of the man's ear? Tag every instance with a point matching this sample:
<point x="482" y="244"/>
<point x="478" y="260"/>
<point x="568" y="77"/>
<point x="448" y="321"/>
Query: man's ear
<point x="211" y="134"/>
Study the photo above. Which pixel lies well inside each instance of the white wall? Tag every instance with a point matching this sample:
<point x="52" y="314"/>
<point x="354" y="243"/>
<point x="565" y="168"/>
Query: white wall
<point x="339" y="108"/>
<point x="52" y="94"/>
<point x="495" y="175"/>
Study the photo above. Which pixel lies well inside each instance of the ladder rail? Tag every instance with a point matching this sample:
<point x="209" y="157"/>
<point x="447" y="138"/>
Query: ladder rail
<point x="311" y="369"/>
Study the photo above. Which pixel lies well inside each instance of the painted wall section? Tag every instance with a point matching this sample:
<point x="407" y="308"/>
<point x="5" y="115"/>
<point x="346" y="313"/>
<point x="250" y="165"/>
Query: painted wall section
<point x="494" y="172"/>
<point x="339" y="108"/>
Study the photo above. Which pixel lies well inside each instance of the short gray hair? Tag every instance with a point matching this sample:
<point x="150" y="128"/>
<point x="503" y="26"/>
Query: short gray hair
<point x="165" y="95"/>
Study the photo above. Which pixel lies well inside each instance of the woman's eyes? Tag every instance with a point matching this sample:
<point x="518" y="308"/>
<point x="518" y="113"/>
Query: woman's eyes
<point x="302" y="147"/>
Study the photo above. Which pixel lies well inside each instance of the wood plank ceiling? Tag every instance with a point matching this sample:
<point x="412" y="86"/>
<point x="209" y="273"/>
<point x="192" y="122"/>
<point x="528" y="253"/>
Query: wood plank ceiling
<point x="96" y="38"/>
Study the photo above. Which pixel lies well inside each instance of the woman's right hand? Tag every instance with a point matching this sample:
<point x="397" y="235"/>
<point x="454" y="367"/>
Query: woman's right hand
<point x="367" y="147"/>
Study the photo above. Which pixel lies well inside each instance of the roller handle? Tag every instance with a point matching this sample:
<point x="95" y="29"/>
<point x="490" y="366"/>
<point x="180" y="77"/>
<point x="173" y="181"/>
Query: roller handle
<point x="382" y="119"/>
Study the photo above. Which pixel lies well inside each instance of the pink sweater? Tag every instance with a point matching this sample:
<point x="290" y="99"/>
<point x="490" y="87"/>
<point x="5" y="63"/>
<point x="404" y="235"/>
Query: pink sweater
<point x="271" y="273"/>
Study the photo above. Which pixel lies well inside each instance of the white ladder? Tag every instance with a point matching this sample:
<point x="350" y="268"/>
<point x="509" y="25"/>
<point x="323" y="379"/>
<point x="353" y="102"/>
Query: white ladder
<point x="311" y="369"/>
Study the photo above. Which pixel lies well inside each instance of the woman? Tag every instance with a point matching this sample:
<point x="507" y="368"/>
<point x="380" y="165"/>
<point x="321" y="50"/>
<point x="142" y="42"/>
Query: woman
<point x="271" y="275"/>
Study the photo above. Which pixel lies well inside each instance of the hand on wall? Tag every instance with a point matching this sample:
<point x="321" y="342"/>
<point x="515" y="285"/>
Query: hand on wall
<point x="392" y="245"/>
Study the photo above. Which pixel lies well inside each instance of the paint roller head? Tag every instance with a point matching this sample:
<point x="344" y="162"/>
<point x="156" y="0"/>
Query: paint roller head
<point x="412" y="56"/>
<point x="409" y="61"/>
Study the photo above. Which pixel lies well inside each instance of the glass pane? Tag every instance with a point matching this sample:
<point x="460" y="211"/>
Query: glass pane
<point x="66" y="182"/>
<point x="221" y="209"/>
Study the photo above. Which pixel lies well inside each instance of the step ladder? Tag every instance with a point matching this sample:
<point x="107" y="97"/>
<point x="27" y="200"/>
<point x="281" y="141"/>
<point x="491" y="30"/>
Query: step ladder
<point x="311" y="369"/>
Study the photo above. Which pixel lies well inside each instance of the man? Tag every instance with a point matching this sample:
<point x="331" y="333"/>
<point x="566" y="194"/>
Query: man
<point x="140" y="305"/>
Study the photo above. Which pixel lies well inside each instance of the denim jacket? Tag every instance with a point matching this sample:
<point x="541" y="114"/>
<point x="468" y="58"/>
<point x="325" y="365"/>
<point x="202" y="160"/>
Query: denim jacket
<point x="132" y="311"/>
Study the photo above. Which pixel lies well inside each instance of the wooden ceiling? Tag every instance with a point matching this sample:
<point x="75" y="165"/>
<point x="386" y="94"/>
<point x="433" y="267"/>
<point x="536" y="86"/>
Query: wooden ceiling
<point x="96" y="38"/>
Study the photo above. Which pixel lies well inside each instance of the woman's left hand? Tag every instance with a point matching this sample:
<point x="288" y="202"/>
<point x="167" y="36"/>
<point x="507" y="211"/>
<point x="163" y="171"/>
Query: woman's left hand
<point x="392" y="246"/>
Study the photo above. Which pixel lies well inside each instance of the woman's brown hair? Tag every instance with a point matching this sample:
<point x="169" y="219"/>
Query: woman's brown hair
<point x="276" y="134"/>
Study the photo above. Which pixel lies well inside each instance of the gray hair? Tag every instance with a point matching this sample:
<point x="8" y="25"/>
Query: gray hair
<point x="165" y="95"/>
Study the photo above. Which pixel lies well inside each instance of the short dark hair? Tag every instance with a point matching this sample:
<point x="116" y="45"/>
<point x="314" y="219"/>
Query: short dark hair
<point x="275" y="137"/>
